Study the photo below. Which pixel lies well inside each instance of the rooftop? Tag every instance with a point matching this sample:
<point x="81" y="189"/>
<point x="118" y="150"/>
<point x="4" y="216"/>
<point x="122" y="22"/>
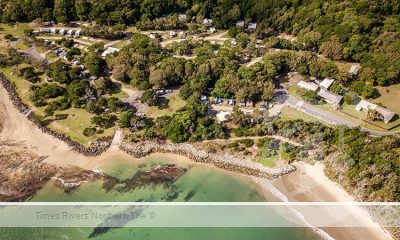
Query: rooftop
<point x="327" y="82"/>
<point x="330" y="96"/>
<point x="110" y="50"/>
<point x="308" y="85"/>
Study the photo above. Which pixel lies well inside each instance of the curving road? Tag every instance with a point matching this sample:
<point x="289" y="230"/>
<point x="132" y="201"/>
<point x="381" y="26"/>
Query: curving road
<point x="285" y="99"/>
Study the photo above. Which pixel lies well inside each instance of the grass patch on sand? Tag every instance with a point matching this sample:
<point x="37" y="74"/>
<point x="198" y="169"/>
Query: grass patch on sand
<point x="175" y="103"/>
<point x="121" y="44"/>
<point x="21" y="84"/>
<point x="121" y="94"/>
<point x="17" y="30"/>
<point x="268" y="161"/>
<point x="73" y="126"/>
<point x="21" y="45"/>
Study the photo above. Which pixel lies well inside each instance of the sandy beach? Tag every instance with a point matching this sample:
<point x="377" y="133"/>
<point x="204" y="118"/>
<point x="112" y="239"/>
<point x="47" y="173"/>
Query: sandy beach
<point x="307" y="184"/>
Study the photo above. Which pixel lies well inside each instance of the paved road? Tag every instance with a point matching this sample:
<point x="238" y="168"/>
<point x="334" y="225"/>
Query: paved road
<point x="316" y="112"/>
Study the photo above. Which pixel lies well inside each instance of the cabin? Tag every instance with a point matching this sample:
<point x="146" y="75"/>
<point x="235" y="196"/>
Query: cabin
<point x="110" y="50"/>
<point x="172" y="34"/>
<point x="44" y="30"/>
<point x="354" y="70"/>
<point x="326" y="83"/>
<point x="386" y="113"/>
<point x="207" y="22"/>
<point x="252" y="26"/>
<point x="233" y="42"/>
<point x="62" y="31"/>
<point x="240" y="23"/>
<point x="182" y="17"/>
<point x="213" y="30"/>
<point x="78" y="33"/>
<point x="330" y="97"/>
<point x="182" y="34"/>
<point x="311" y="86"/>
<point x="70" y="32"/>
<point x="223" y="116"/>
<point x="53" y="30"/>
<point x="154" y="36"/>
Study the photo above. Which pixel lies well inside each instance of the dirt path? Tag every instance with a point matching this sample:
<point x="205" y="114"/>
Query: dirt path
<point x="58" y="38"/>
<point x="112" y="43"/>
<point x="283" y="139"/>
<point x="254" y="61"/>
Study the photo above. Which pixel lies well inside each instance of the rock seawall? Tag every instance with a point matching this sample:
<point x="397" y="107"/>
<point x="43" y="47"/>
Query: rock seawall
<point x="95" y="149"/>
<point x="226" y="162"/>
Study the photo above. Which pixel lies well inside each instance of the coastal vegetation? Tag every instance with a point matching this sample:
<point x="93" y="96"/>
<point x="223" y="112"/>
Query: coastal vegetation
<point x="65" y="98"/>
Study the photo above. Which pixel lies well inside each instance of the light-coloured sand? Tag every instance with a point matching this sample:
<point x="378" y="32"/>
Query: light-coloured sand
<point x="307" y="184"/>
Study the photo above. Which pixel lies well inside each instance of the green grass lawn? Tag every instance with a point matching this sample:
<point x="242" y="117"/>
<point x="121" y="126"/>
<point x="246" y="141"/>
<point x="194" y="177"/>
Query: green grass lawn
<point x="3" y="45"/>
<point x="121" y="94"/>
<point x="21" y="45"/>
<point x="175" y="103"/>
<point x="21" y="84"/>
<point x="268" y="161"/>
<point x="358" y="117"/>
<point x="289" y="113"/>
<point x="17" y="30"/>
<point x="121" y="44"/>
<point x="391" y="99"/>
<point x="74" y="125"/>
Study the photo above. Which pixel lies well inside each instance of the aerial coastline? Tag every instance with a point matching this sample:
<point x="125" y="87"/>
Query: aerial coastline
<point x="291" y="102"/>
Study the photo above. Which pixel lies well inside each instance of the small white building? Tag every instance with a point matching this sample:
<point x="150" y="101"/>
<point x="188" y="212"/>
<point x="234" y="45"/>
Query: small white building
<point x="207" y="22"/>
<point x="110" y="50"/>
<point x="70" y="32"/>
<point x="233" y="42"/>
<point x="172" y="34"/>
<point x="182" y="34"/>
<point x="252" y="26"/>
<point x="308" y="85"/>
<point x="386" y="113"/>
<point x="365" y="105"/>
<point x="213" y="30"/>
<point x="326" y="83"/>
<point x="240" y="23"/>
<point x="182" y="17"/>
<point x="153" y="35"/>
<point x="53" y="30"/>
<point x="78" y="33"/>
<point x="223" y="116"/>
<point x="44" y="30"/>
<point x="62" y="31"/>
<point x="354" y="70"/>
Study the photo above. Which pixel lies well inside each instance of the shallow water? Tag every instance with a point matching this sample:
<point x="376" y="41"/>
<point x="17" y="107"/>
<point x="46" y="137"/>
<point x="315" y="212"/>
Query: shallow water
<point x="199" y="184"/>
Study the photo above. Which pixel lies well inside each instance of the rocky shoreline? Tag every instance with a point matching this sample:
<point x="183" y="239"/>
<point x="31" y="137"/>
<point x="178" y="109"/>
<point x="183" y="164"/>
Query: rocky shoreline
<point x="95" y="149"/>
<point x="229" y="163"/>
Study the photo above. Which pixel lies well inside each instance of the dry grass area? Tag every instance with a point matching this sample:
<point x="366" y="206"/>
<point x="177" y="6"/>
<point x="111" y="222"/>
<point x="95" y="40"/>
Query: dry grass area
<point x="175" y="103"/>
<point x="289" y="113"/>
<point x="390" y="97"/>
<point x="73" y="126"/>
<point x="22" y="85"/>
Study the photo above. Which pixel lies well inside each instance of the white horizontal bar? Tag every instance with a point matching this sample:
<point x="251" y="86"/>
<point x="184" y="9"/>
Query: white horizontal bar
<point x="200" y="203"/>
